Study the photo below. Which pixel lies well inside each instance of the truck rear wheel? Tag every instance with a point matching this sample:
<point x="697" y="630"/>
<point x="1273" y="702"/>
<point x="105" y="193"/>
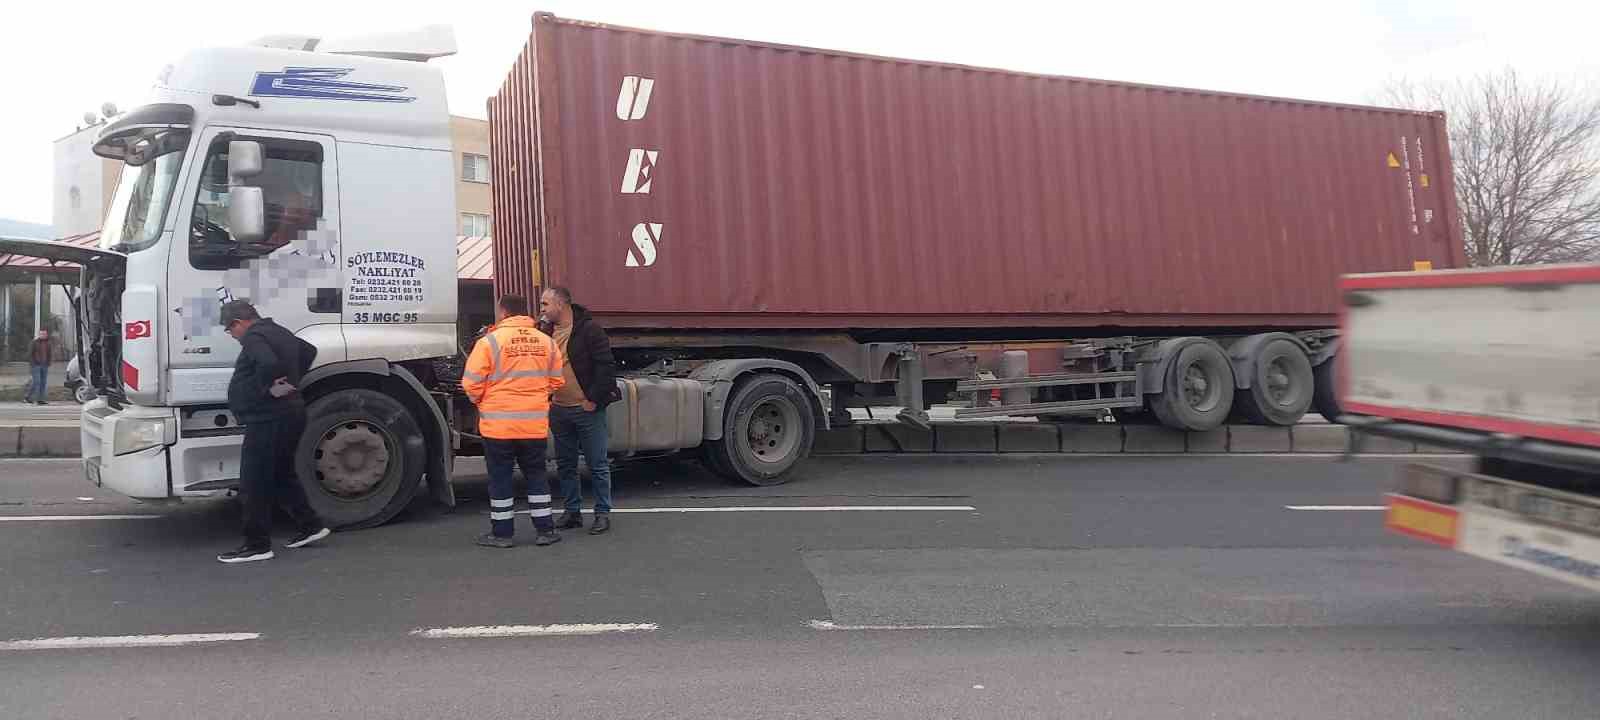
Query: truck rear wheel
<point x="360" y="459"/>
<point x="768" y="429"/>
<point x="1197" y="391"/>
<point x="1326" y="396"/>
<point x="1282" y="389"/>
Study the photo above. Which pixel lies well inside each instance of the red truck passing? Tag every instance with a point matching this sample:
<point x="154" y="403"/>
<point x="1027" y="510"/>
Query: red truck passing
<point x="1503" y="363"/>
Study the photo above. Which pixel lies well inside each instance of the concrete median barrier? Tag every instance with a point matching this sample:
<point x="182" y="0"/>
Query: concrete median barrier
<point x="1030" y="437"/>
<point x="897" y="438"/>
<point x="1153" y="439"/>
<point x="966" y="438"/>
<point x="48" y="442"/>
<point x="1091" y="438"/>
<point x="10" y="441"/>
<point x="1255" y="439"/>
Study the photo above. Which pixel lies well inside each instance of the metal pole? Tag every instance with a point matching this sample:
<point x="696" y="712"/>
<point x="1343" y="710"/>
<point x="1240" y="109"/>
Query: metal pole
<point x="38" y="304"/>
<point x="5" y="319"/>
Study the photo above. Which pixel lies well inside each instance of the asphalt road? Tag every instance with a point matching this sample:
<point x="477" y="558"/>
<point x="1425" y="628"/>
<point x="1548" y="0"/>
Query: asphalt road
<point x="1074" y="587"/>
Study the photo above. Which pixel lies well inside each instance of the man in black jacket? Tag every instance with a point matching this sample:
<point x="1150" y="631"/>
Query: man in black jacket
<point x="578" y="409"/>
<point x="263" y="396"/>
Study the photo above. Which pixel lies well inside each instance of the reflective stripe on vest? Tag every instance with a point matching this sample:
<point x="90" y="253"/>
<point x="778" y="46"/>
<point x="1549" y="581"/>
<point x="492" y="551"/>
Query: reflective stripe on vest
<point x="531" y="415"/>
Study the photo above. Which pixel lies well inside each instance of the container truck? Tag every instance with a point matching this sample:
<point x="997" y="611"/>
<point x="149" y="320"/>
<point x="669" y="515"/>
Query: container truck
<point x="753" y="223"/>
<point x="1503" y="363"/>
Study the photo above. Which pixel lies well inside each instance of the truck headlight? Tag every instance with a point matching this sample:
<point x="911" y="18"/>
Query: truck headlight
<point x="135" y="434"/>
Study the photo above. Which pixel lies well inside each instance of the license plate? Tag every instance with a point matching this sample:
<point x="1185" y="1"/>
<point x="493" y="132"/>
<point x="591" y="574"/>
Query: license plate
<point x="1423" y="520"/>
<point x="1545" y="506"/>
<point x="91" y="470"/>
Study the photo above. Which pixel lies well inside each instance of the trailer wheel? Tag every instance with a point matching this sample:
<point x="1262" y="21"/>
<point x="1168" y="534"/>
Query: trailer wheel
<point x="360" y="459"/>
<point x="768" y="429"/>
<point x="1325" y="398"/>
<point x="1282" y="389"/>
<point x="1197" y="392"/>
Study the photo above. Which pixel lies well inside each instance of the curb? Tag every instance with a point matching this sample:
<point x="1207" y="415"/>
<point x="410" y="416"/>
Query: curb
<point x="48" y="441"/>
<point x="969" y="438"/>
<point x="40" y="441"/>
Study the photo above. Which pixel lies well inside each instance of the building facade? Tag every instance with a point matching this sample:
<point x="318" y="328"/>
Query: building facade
<point x="469" y="139"/>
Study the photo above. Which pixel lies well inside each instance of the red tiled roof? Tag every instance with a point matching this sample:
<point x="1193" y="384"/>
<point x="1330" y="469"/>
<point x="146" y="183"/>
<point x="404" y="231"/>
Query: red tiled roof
<point x="86" y="240"/>
<point x="474" y="257"/>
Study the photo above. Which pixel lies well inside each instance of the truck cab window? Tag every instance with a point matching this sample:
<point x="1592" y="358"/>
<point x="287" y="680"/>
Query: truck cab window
<point x="291" y="182"/>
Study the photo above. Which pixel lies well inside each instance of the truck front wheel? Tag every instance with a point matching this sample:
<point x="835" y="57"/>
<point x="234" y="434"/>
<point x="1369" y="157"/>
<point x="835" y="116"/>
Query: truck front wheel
<point x="768" y="428"/>
<point x="360" y="459"/>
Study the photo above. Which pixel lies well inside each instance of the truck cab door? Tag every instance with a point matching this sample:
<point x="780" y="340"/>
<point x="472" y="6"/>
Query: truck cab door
<point x="292" y="275"/>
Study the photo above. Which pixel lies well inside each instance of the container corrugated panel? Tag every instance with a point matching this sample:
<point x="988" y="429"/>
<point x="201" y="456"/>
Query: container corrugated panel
<point x="685" y="182"/>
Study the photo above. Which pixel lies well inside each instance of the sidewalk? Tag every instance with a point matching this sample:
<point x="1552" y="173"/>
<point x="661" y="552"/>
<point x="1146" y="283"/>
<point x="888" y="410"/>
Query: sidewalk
<point x="14" y="380"/>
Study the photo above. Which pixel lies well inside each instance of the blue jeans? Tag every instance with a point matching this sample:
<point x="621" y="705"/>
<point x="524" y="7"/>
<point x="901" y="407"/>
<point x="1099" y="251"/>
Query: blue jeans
<point x="575" y="431"/>
<point x="41" y="383"/>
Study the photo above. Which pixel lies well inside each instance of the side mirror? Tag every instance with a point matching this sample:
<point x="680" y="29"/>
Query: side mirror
<point x="244" y="159"/>
<point x="247" y="214"/>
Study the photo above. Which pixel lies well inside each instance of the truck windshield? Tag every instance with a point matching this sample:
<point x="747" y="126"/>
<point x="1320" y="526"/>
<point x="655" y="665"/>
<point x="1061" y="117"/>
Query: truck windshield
<point x="139" y="207"/>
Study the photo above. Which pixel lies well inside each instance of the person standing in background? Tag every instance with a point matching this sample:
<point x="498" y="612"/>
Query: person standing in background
<point x="578" y="415"/>
<point x="39" y="368"/>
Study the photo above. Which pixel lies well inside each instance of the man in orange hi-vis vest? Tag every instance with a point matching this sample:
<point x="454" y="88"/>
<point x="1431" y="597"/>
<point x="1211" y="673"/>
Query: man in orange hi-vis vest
<point x="512" y="372"/>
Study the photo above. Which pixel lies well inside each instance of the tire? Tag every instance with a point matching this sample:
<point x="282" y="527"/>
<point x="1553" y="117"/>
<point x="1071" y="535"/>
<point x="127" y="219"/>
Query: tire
<point x="1283" y="386"/>
<point x="1326" y="397"/>
<point x="1197" y="390"/>
<point x="84" y="394"/>
<point x="768" y="429"/>
<point x="347" y="483"/>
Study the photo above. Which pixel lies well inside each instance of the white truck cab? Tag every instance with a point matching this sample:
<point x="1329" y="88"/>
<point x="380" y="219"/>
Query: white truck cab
<point x="314" y="179"/>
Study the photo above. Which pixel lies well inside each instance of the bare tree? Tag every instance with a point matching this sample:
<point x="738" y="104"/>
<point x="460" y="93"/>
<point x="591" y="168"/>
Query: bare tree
<point x="1527" y="165"/>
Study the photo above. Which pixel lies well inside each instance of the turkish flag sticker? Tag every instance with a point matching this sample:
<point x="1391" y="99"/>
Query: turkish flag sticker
<point x="137" y="329"/>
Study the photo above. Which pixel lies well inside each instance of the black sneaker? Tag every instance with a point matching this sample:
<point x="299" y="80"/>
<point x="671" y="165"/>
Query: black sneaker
<point x="547" y="538"/>
<point x="570" y="521"/>
<point x="245" y="554"/>
<point x="602" y="524"/>
<point x="308" y="537"/>
<point x="495" y="541"/>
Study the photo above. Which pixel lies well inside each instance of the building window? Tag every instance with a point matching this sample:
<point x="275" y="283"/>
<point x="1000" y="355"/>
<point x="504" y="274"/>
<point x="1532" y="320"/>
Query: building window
<point x="474" y="225"/>
<point x="474" y="168"/>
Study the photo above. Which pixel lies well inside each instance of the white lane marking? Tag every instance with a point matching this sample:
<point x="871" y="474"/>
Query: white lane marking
<point x="492" y="631"/>
<point x="790" y="508"/>
<point x="1336" y="507"/>
<point x="830" y="625"/>
<point x="1169" y="455"/>
<point x="59" y="518"/>
<point x="124" y="641"/>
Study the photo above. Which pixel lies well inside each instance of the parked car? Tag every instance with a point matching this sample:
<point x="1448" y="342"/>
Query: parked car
<point x="81" y="391"/>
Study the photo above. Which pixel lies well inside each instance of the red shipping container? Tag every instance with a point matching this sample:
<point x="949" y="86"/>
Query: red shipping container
<point x="675" y="181"/>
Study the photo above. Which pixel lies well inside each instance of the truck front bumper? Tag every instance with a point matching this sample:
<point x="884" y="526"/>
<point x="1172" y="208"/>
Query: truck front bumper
<point x="178" y="467"/>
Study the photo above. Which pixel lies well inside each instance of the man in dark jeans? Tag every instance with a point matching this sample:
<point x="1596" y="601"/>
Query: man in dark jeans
<point x="262" y="395"/>
<point x="39" y="368"/>
<point x="578" y="409"/>
<point x="510" y="376"/>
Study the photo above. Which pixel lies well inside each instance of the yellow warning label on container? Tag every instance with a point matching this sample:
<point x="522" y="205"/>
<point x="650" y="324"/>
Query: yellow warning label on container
<point x="1424" y="179"/>
<point x="1421" y="265"/>
<point x="1394" y="162"/>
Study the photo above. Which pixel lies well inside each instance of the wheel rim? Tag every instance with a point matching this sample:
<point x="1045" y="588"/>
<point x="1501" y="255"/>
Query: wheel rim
<point x="352" y="459"/>
<point x="773" y="431"/>
<point x="1200" y="392"/>
<point x="1280" y="389"/>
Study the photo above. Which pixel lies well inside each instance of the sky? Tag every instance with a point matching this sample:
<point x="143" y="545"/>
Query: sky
<point x="64" y="58"/>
